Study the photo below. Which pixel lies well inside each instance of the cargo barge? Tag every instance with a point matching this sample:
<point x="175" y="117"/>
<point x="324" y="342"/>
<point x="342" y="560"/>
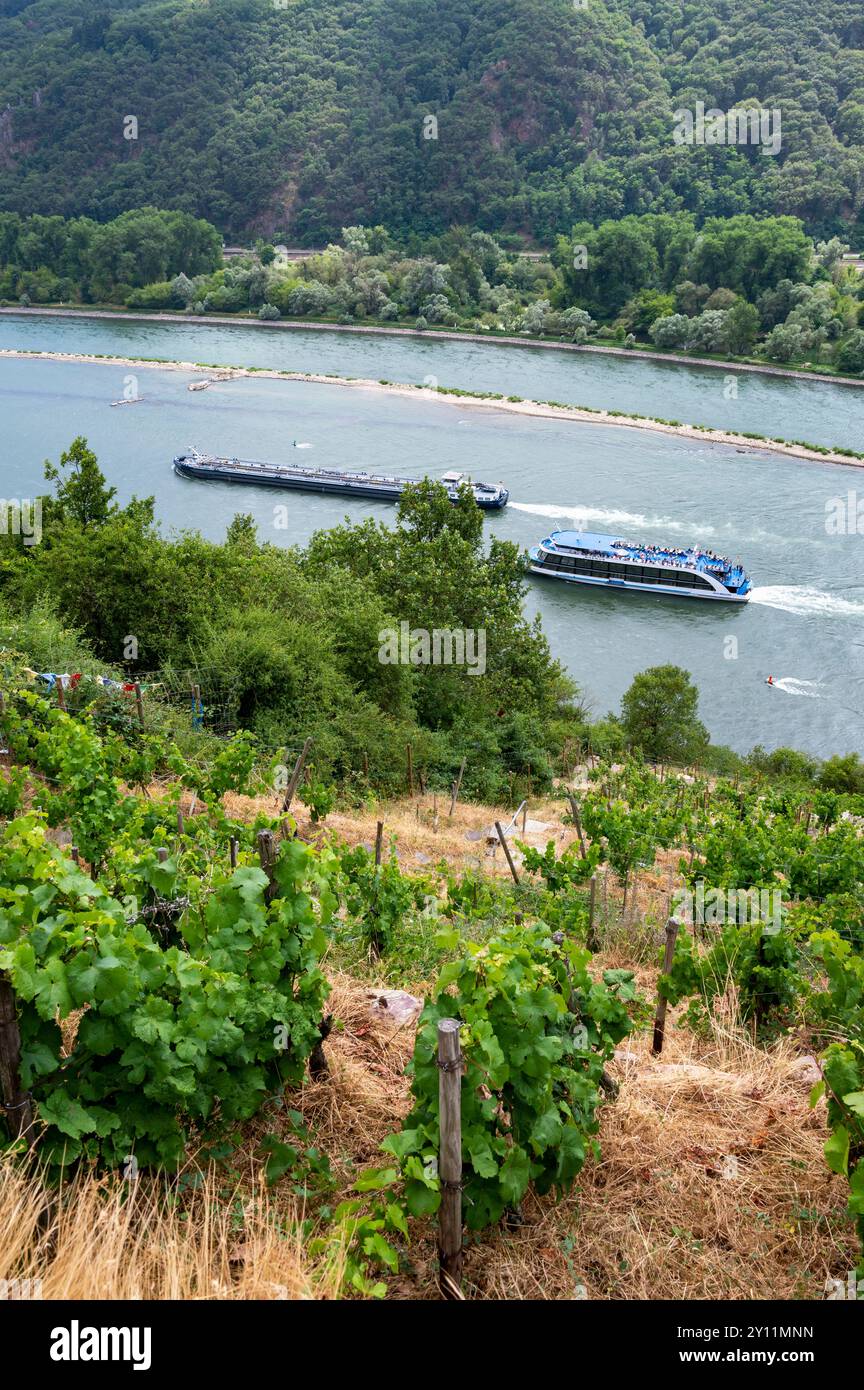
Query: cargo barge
<point x="379" y="487"/>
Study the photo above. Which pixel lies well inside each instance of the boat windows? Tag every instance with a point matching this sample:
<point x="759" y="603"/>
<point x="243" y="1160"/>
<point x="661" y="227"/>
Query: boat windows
<point x="592" y="567"/>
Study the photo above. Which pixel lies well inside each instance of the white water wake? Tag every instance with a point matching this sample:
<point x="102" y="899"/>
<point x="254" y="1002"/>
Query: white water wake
<point x="791" y="685"/>
<point x="610" y="516"/>
<point x="792" y="599"/>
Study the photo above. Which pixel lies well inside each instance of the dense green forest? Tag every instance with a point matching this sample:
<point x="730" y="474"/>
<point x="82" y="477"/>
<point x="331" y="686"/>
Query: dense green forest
<point x="292" y="119"/>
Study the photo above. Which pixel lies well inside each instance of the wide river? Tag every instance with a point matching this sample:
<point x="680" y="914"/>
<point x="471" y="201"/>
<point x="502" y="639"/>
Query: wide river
<point x="804" y="621"/>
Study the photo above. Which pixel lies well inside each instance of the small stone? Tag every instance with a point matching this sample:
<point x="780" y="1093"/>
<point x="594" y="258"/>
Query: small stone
<point x="395" y="1005"/>
<point x="805" y="1071"/>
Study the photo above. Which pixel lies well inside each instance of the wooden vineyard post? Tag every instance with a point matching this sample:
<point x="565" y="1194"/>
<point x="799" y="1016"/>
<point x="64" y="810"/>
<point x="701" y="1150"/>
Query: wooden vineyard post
<point x="139" y="703"/>
<point x="233" y="846"/>
<point x="294" y="780"/>
<point x="592" y="941"/>
<point x="450" y="1159"/>
<point x="660" y="1017"/>
<point x="577" y="821"/>
<point x="61" y="698"/>
<point x="410" y="753"/>
<point x="456" y="788"/>
<point x="16" y="1103"/>
<point x="503" y="838"/>
<point x="379" y="841"/>
<point x="267" y="857"/>
<point x="525" y="816"/>
<point x="181" y="823"/>
<point x="759" y="1012"/>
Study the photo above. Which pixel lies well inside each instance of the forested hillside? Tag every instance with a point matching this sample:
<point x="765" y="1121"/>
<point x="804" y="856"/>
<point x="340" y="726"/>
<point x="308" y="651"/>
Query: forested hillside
<point x="294" y="119"/>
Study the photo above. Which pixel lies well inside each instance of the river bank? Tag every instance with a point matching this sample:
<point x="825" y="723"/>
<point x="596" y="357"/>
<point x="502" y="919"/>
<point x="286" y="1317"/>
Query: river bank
<point x="489" y="400"/>
<point x="440" y="334"/>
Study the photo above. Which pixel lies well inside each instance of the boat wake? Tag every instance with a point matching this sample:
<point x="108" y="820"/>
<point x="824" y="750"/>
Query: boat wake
<point x="792" y="686"/>
<point x="610" y="516"/>
<point x="792" y="599"/>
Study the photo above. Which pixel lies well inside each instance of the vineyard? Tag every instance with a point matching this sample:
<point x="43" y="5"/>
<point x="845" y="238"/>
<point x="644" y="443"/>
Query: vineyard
<point x="184" y="960"/>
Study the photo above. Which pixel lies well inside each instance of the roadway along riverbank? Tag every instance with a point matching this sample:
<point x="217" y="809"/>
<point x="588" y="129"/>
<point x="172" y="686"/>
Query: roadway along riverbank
<point x="486" y="400"/>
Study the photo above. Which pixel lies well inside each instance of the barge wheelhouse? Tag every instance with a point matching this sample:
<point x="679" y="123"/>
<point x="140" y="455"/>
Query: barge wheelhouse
<point x="378" y="487"/>
<point x="586" y="557"/>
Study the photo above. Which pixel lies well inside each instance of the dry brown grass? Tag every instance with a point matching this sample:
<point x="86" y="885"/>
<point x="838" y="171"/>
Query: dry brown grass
<point x="656" y="1216"/>
<point x="96" y="1238"/>
<point x="420" y="825"/>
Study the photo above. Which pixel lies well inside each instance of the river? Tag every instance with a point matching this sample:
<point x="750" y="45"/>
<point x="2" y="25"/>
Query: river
<point x="803" y="624"/>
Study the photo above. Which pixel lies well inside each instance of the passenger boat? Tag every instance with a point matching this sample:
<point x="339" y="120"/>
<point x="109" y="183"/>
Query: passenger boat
<point x="378" y="486"/>
<point x="586" y="557"/>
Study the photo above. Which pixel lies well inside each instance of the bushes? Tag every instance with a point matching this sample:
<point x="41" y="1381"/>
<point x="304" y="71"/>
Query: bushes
<point x="536" y="1031"/>
<point x="159" y="295"/>
<point x="168" y="1037"/>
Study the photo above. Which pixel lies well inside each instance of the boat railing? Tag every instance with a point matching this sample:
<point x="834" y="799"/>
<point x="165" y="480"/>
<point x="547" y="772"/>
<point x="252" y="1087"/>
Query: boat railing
<point x="646" y="555"/>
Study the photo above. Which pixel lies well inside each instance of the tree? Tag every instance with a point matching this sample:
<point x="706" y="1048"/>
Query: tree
<point x="659" y="715"/>
<point x="850" y="355"/>
<point x="787" y="342"/>
<point x="182" y="290"/>
<point x="742" y="326"/>
<point x="83" y="496"/>
<point x="355" y="240"/>
<point x="783" y="762"/>
<point x="709" y="332"/>
<point x="646" y="309"/>
<point x="310" y="297"/>
<point x="721" y="299"/>
<point x="576" y="324"/>
<point x="424" y="279"/>
<point x="775" y="304"/>
<point x="843" y="774"/>
<point x="536" y="317"/>
<point x="690" y="298"/>
<point x="671" y="331"/>
<point x="749" y="254"/>
<point x="619" y="260"/>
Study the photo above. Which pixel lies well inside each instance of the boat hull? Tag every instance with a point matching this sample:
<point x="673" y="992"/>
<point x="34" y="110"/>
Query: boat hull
<point x="618" y="584"/>
<point x="378" y="491"/>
